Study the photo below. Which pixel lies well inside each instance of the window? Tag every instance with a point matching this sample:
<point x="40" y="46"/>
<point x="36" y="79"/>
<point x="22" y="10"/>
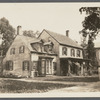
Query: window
<point x="72" y="52"/>
<point x="9" y="65"/>
<point x="12" y="51"/>
<point x="78" y="53"/>
<point x="21" y="49"/>
<point x="25" y="65"/>
<point x="43" y="66"/>
<point x="64" y="51"/>
<point x="50" y="47"/>
<point x="35" y="63"/>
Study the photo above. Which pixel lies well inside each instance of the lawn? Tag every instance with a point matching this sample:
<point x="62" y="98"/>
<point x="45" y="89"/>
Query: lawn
<point x="15" y="86"/>
<point x="75" y="79"/>
<point x="67" y="78"/>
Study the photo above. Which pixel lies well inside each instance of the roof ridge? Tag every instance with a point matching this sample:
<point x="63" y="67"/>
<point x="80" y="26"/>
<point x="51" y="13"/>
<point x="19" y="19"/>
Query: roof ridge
<point x="60" y="40"/>
<point x="56" y="33"/>
<point x="62" y="35"/>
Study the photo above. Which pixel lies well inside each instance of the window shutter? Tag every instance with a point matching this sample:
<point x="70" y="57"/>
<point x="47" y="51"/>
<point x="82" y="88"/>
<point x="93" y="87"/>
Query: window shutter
<point x="12" y="65"/>
<point x="23" y="49"/>
<point x="23" y="65"/>
<point x="28" y="65"/>
<point x="10" y="51"/>
<point x="7" y="65"/>
<point x="71" y="52"/>
<point x="14" y="51"/>
<point x="19" y="49"/>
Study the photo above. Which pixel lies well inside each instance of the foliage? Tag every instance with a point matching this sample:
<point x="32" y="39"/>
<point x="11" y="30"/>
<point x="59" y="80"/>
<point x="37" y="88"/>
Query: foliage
<point x="8" y="34"/>
<point x="30" y="33"/>
<point x="91" y="28"/>
<point x="91" y="23"/>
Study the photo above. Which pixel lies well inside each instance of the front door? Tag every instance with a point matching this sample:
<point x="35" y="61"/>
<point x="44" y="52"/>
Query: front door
<point x="48" y="66"/>
<point x="43" y="67"/>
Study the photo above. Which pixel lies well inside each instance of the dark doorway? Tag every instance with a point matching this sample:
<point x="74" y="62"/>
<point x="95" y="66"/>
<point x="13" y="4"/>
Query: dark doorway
<point x="64" y="67"/>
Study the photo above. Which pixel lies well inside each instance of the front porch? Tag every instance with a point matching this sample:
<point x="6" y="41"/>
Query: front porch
<point x="43" y="67"/>
<point x="73" y="66"/>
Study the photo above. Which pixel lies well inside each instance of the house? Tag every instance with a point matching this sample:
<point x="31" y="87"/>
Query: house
<point x="1" y="61"/>
<point x="28" y="56"/>
<point x="69" y="54"/>
<point x="49" y="54"/>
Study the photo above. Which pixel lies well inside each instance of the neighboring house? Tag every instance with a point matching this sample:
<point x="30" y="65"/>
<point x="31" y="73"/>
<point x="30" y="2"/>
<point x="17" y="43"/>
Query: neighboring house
<point x="97" y="48"/>
<point x="27" y="55"/>
<point x="1" y="62"/>
<point x="68" y="52"/>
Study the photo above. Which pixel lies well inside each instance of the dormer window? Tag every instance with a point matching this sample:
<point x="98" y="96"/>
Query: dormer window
<point x="48" y="46"/>
<point x="73" y="52"/>
<point x="49" y="39"/>
<point x="12" y="51"/>
<point x="78" y="53"/>
<point x="64" y="51"/>
<point x="21" y="49"/>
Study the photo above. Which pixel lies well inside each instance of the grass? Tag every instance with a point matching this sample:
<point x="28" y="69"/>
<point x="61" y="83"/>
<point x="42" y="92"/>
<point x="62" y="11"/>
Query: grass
<point x="75" y="79"/>
<point x="15" y="86"/>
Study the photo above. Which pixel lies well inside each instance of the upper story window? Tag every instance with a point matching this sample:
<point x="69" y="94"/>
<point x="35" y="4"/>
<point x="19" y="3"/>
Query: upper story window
<point x="9" y="65"/>
<point x="50" y="47"/>
<point x="78" y="53"/>
<point x="73" y="52"/>
<point x="12" y="51"/>
<point x="21" y="49"/>
<point x="64" y="51"/>
<point x="25" y="65"/>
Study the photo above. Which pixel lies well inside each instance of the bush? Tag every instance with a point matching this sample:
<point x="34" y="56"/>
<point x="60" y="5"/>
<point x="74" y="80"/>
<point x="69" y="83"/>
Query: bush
<point x="10" y="75"/>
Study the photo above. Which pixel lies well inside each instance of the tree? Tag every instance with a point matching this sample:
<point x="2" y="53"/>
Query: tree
<point x="31" y="33"/>
<point x="8" y="34"/>
<point x="91" y="28"/>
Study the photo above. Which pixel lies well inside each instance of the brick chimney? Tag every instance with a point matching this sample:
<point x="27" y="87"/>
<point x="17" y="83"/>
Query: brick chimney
<point x="19" y="30"/>
<point x="67" y="33"/>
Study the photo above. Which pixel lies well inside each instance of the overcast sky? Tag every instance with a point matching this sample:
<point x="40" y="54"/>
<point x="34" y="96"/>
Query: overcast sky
<point x="56" y="17"/>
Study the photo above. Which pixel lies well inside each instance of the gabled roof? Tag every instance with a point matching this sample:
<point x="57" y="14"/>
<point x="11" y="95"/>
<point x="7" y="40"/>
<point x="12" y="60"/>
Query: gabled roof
<point x="48" y="43"/>
<point x="29" y="40"/>
<point x="64" y="40"/>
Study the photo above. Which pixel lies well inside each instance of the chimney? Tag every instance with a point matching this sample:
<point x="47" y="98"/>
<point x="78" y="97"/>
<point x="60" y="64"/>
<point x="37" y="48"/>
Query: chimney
<point x="19" y="30"/>
<point x="67" y="33"/>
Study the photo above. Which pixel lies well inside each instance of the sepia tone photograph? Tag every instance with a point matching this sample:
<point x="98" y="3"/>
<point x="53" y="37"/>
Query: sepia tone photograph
<point x="49" y="49"/>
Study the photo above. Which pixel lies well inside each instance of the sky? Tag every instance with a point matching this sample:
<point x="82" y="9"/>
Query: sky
<point x="56" y="17"/>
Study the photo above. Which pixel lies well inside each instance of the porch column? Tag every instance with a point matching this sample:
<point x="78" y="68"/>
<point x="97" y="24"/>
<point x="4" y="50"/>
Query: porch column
<point x="82" y="70"/>
<point x="69" y="68"/>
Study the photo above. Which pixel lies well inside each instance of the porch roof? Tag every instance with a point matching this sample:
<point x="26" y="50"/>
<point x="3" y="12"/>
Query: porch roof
<point x="76" y="59"/>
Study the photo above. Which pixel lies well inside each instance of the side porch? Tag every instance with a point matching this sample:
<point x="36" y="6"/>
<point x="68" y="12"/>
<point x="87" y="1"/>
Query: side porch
<point x="74" y="66"/>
